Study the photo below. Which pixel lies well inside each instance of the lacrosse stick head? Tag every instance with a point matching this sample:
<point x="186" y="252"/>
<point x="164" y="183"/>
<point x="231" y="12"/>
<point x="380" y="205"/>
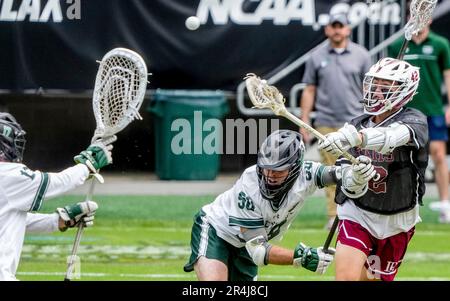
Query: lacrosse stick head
<point x="264" y="96"/>
<point x="420" y="12"/>
<point x="119" y="91"/>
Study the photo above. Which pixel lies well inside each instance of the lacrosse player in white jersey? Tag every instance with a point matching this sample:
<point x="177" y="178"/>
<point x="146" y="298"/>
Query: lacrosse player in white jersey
<point x="233" y="235"/>
<point x="23" y="190"/>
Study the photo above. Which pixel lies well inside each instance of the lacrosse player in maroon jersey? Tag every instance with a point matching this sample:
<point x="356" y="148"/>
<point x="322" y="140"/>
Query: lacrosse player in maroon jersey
<point x="375" y="229"/>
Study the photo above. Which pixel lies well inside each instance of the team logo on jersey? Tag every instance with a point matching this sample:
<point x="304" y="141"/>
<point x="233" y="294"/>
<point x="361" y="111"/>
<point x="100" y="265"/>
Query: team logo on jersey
<point x="375" y="156"/>
<point x="323" y="64"/>
<point x="427" y="49"/>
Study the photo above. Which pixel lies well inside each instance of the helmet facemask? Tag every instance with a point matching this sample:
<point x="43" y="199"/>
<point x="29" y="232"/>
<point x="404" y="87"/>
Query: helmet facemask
<point x="389" y="85"/>
<point x="275" y="193"/>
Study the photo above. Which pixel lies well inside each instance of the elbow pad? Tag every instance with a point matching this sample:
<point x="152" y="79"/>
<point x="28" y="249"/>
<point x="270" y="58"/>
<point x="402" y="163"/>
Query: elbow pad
<point x="385" y="139"/>
<point x="258" y="248"/>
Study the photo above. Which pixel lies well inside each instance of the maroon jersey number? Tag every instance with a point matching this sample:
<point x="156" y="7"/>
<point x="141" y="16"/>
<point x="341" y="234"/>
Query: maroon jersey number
<point x="379" y="185"/>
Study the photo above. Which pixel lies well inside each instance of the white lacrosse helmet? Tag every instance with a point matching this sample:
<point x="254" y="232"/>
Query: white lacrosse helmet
<point x="389" y="85"/>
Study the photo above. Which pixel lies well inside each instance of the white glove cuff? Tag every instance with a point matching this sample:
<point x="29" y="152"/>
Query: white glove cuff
<point x="351" y="134"/>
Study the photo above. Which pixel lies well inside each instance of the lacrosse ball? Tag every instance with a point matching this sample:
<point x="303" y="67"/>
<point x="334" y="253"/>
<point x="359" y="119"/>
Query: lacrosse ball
<point x="192" y="23"/>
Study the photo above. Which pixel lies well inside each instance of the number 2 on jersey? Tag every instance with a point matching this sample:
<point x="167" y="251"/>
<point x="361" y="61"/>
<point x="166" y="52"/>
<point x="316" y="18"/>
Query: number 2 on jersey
<point x="379" y="186"/>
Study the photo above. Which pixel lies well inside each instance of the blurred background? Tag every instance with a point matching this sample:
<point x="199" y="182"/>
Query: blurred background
<point x="50" y="47"/>
<point x="49" y="50"/>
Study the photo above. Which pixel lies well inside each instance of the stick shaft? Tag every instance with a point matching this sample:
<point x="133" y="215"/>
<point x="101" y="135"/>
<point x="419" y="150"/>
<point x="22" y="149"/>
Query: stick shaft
<point x="333" y="228"/>
<point x="314" y="132"/>
<point x="403" y="49"/>
<point x="311" y="130"/>
<point x="77" y="241"/>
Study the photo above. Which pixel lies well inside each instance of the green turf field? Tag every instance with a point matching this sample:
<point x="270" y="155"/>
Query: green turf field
<point x="147" y="238"/>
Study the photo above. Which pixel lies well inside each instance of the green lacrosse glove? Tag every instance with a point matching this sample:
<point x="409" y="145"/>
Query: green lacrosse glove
<point x="313" y="259"/>
<point x="72" y="215"/>
<point x="95" y="157"/>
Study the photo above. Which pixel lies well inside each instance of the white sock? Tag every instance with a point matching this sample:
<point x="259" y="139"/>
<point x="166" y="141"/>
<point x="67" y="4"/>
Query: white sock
<point x="445" y="206"/>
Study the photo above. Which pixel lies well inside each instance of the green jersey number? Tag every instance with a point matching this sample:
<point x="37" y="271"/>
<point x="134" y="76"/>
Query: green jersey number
<point x="245" y="202"/>
<point x="27" y="173"/>
<point x="308" y="170"/>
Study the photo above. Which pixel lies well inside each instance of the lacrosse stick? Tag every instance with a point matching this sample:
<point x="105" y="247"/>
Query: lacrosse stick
<point x="420" y="12"/>
<point x="119" y="90"/>
<point x="264" y="96"/>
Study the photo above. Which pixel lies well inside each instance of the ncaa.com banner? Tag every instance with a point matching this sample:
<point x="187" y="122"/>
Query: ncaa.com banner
<point x="53" y="44"/>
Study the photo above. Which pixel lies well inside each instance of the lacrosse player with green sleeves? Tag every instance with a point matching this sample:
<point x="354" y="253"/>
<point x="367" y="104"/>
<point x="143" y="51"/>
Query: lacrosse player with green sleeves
<point x="23" y="190"/>
<point x="234" y="235"/>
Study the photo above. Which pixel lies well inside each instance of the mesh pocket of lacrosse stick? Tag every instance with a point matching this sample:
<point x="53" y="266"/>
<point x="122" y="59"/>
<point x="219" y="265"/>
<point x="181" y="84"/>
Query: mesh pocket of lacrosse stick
<point x="262" y="95"/>
<point x="119" y="91"/>
<point x="421" y="12"/>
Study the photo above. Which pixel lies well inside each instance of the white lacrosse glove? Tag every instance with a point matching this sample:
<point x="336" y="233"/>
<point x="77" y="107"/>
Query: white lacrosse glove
<point x="72" y="215"/>
<point x="341" y="141"/>
<point x="363" y="171"/>
<point x="313" y="259"/>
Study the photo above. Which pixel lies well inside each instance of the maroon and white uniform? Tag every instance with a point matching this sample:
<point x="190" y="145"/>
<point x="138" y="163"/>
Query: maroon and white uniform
<point x="382" y="221"/>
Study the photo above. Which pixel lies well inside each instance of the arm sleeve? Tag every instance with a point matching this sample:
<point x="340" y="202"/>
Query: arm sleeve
<point x="313" y="173"/>
<point x="310" y="75"/>
<point x="42" y="223"/>
<point x="28" y="188"/>
<point x="66" y="180"/>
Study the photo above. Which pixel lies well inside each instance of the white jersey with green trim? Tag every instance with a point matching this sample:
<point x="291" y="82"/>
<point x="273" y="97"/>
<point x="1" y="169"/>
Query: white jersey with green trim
<point x="21" y="191"/>
<point x="244" y="206"/>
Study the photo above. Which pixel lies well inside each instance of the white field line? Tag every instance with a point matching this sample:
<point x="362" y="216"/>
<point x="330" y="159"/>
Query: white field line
<point x="191" y="276"/>
<point x="188" y="230"/>
<point x="426" y="256"/>
<point x="95" y="251"/>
